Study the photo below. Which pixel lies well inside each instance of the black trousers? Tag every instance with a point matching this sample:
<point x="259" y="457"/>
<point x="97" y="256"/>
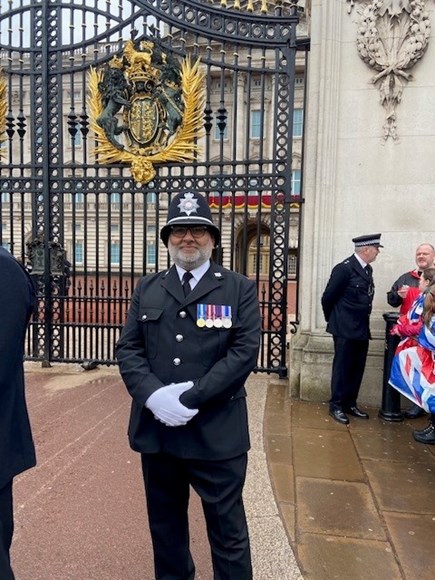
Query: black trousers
<point x="347" y="371"/>
<point x="6" y="531"/>
<point x="219" y="484"/>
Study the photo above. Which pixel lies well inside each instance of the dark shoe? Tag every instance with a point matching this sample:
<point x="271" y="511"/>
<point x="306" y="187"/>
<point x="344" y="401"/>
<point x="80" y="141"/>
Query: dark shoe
<point x="414" y="412"/>
<point x="426" y="435"/>
<point x="355" y="412"/>
<point x="339" y="416"/>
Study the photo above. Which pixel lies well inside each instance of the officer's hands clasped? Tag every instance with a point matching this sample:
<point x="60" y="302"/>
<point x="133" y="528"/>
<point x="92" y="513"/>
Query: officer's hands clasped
<point x="165" y="405"/>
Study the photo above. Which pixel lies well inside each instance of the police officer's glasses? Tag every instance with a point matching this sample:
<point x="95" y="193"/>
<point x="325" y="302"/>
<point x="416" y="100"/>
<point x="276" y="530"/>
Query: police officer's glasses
<point x="196" y="231"/>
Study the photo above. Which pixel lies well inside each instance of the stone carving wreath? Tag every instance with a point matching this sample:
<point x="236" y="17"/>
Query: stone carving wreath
<point x="392" y="36"/>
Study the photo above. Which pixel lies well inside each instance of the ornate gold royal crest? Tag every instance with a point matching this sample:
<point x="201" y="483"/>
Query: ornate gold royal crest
<point x="146" y="108"/>
<point x="3" y="110"/>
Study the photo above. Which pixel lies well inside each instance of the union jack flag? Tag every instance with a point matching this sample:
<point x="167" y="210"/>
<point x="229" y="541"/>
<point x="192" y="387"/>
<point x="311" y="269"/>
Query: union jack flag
<point x="413" y="370"/>
<point x="416" y="309"/>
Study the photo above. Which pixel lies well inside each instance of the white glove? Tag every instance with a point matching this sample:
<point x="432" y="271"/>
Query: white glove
<point x="165" y="404"/>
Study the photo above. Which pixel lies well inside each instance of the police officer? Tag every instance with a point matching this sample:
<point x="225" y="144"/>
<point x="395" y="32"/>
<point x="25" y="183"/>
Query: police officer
<point x="189" y="344"/>
<point x="17" y="452"/>
<point x="347" y="303"/>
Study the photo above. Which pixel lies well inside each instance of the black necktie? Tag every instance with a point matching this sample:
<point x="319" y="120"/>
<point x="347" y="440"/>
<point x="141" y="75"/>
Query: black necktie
<point x="186" y="285"/>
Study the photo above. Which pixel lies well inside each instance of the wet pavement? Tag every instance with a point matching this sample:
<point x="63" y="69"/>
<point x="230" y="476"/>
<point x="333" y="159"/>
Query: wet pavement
<point x="358" y="501"/>
<point x="324" y="501"/>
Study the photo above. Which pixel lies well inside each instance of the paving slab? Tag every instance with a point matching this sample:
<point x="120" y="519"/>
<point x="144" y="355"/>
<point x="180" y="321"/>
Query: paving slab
<point x="81" y="514"/>
<point x="363" y="505"/>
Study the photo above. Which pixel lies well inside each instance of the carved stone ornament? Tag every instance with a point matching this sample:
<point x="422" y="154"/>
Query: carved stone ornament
<point x="146" y="108"/>
<point x="3" y="110"/>
<point x="392" y="36"/>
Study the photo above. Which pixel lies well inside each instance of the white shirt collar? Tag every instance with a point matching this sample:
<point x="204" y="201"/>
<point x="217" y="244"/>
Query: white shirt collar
<point x="197" y="273"/>
<point x="363" y="264"/>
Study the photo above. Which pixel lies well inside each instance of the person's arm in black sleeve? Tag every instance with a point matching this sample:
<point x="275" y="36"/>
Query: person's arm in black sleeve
<point x="334" y="289"/>
<point x="393" y="297"/>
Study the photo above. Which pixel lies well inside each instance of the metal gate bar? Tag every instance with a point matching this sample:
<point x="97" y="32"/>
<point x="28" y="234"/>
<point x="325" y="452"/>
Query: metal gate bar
<point x="88" y="231"/>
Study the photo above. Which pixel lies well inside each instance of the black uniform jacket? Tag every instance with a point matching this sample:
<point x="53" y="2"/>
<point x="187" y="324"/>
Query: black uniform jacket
<point x="347" y="300"/>
<point x="161" y="343"/>
<point x="17" y="299"/>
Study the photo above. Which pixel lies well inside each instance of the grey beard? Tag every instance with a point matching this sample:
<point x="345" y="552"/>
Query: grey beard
<point x="189" y="262"/>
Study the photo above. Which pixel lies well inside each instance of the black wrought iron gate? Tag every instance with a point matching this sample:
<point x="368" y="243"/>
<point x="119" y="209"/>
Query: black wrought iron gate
<point x="88" y="231"/>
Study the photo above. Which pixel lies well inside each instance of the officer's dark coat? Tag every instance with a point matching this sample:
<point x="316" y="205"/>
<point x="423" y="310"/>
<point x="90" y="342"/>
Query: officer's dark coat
<point x="17" y="452"/>
<point x="347" y="300"/>
<point x="162" y="344"/>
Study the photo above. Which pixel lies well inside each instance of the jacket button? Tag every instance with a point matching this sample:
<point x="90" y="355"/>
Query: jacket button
<point x="177" y="362"/>
<point x="144" y="317"/>
<point x="179" y="338"/>
<point x="182" y="314"/>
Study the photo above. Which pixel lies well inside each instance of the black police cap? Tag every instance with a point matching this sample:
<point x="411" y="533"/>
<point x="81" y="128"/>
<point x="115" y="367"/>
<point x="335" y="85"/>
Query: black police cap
<point x="189" y="208"/>
<point x="369" y="240"/>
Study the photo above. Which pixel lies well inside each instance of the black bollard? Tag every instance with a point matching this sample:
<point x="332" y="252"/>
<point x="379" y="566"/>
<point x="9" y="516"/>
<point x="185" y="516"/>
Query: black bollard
<point x="390" y="410"/>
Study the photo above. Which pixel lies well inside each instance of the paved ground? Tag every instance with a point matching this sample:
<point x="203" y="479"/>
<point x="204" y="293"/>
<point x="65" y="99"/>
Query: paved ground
<point x="357" y="502"/>
<point x="80" y="514"/>
<point x="324" y="501"/>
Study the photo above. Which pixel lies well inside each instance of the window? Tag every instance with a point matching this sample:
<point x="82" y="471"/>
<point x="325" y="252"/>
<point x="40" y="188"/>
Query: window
<point x="78" y="196"/>
<point x="5" y="244"/>
<point x="75" y="95"/>
<point x="151" y="231"/>
<point x="115" y="253"/>
<point x="292" y="264"/>
<point x="219" y="84"/>
<point x="298" y="122"/>
<point x="115" y="198"/>
<point x="77" y="139"/>
<point x="151" y="253"/>
<point x="78" y="253"/>
<point x="114" y="230"/>
<point x="5" y="197"/>
<point x="262" y="259"/>
<point x="258" y="257"/>
<point x="217" y="131"/>
<point x="296" y="182"/>
<point x="255" y="129"/>
<point x="151" y="198"/>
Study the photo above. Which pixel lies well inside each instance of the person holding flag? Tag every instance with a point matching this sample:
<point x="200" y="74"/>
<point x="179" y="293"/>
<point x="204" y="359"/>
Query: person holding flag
<point x="413" y="369"/>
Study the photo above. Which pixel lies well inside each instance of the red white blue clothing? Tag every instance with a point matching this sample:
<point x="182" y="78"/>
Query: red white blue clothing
<point x="410" y="279"/>
<point x="413" y="370"/>
<point x="410" y="324"/>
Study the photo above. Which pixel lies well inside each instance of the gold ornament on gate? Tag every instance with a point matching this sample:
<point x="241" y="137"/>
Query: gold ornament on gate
<point x="146" y="108"/>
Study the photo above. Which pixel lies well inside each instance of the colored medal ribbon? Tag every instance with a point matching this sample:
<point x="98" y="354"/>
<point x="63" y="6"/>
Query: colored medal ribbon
<point x="200" y="315"/>
<point x="217" y="318"/>
<point x="209" y="316"/>
<point x="226" y="317"/>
